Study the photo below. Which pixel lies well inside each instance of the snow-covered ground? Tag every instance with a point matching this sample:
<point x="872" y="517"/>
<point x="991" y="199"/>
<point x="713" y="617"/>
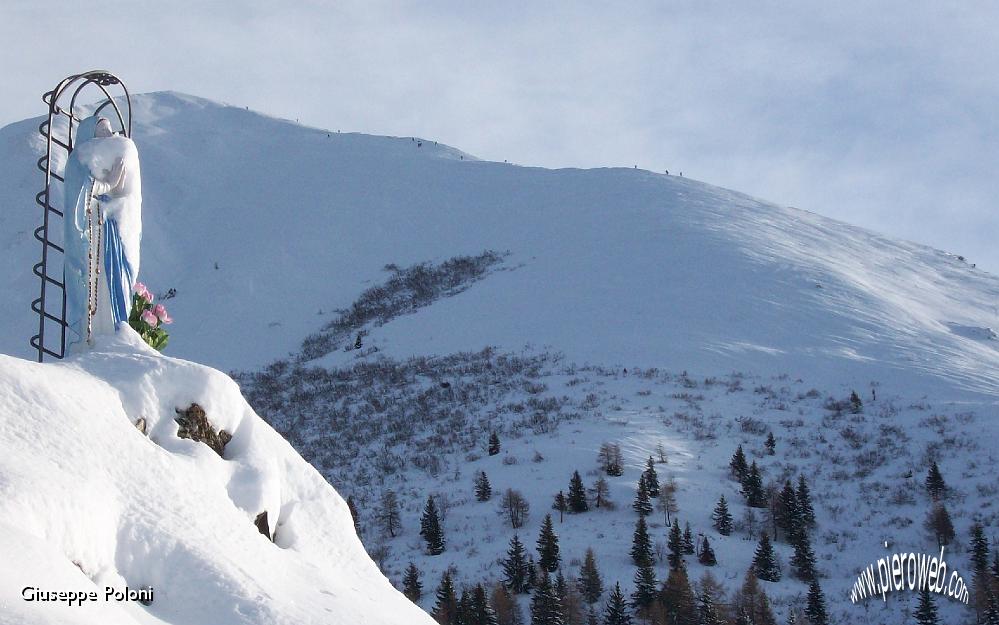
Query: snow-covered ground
<point x="88" y="502"/>
<point x="266" y="228"/>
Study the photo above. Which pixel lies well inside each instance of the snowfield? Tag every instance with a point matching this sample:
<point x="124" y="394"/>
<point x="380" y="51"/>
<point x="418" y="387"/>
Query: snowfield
<point x="88" y="502"/>
<point x="560" y="308"/>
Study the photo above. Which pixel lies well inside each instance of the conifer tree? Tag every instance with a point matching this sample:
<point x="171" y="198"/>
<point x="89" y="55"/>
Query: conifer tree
<point x="645" y="587"/>
<point x="803" y="559"/>
<point x="806" y="514"/>
<point x="430" y="528"/>
<point x="464" y="616"/>
<point x="765" y="561"/>
<point x="354" y="515"/>
<point x="532" y="573"/>
<point x="707" y="555"/>
<point x="856" y="405"/>
<point x="651" y="478"/>
<point x="678" y="599"/>
<point x="548" y="549"/>
<point x="561" y="505"/>
<point x="570" y="600"/>
<point x="483" y="489"/>
<point x="494" y="444"/>
<point x="926" y="611"/>
<point x="936" y="488"/>
<point x="591" y="616"/>
<point x="771" y="444"/>
<point x="752" y="488"/>
<point x="707" y="611"/>
<point x="412" y="587"/>
<point x="991" y="616"/>
<point x="939" y="523"/>
<point x="616" y="612"/>
<point x="577" y="494"/>
<point x="815" y="609"/>
<point x="515" y="568"/>
<point x="642" y="504"/>
<point x="545" y="609"/>
<point x="481" y="612"/>
<point x="561" y="588"/>
<point x="688" y="539"/>
<point x="675" y="545"/>
<point x="722" y="518"/>
<point x="445" y="610"/>
<point x="979" y="548"/>
<point x="590" y="584"/>
<point x="787" y="515"/>
<point x="738" y="465"/>
<point x="641" y="544"/>
<point x="983" y="588"/>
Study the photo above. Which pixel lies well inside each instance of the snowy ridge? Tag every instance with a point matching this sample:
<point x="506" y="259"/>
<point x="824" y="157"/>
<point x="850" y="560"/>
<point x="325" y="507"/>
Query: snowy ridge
<point x="619" y="265"/>
<point x="89" y="502"/>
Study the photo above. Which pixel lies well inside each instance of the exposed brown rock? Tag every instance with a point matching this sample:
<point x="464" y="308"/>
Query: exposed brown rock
<point x="194" y="425"/>
<point x="262" y="525"/>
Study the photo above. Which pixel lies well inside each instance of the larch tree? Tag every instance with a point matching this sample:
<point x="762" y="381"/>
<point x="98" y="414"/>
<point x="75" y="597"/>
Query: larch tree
<point x="591" y="586"/>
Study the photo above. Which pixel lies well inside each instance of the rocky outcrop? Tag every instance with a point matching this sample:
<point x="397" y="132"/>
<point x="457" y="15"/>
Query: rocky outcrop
<point x="194" y="425"/>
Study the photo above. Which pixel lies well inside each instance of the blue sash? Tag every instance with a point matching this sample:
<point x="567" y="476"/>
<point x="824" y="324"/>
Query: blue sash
<point x="117" y="273"/>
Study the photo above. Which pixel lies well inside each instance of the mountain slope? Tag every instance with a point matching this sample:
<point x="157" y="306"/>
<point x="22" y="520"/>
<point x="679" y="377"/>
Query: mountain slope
<point x="563" y="309"/>
<point x="614" y="265"/>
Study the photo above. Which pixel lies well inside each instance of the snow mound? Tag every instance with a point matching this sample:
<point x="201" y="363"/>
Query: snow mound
<point x="88" y="501"/>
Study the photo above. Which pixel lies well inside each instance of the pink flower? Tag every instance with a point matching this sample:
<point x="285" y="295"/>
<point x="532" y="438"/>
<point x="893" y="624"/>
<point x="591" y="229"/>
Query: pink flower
<point x="149" y="318"/>
<point x="161" y="313"/>
<point x="143" y="292"/>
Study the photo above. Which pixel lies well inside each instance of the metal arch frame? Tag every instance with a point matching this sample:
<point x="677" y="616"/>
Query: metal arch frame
<point x="76" y="84"/>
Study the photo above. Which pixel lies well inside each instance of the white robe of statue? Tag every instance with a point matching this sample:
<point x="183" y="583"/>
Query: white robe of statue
<point x="102" y="176"/>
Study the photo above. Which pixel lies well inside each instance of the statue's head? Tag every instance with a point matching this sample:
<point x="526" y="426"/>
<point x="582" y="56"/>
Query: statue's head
<point x="103" y="128"/>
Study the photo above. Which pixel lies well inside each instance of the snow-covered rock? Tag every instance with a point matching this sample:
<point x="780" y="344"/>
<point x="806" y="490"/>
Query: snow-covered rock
<point x="87" y="501"/>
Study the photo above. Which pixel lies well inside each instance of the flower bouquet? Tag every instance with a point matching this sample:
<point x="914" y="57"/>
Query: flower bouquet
<point x="148" y="320"/>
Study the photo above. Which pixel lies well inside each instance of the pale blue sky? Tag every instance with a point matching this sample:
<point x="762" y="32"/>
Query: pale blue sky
<point x="880" y="114"/>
